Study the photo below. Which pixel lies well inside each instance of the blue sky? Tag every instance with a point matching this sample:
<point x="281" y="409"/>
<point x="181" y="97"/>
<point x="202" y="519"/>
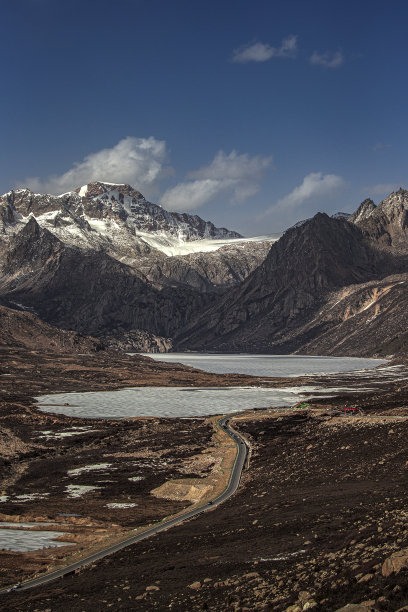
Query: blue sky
<point x="254" y="114"/>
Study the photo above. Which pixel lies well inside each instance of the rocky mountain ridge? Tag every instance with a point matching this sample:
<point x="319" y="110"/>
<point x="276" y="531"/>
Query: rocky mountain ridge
<point x="386" y="224"/>
<point x="332" y="285"/>
<point x="87" y="215"/>
<point x="329" y="286"/>
<point x="163" y="247"/>
<point x="298" y="275"/>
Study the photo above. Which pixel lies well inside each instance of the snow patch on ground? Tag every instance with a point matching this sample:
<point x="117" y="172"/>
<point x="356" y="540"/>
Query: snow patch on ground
<point x="28" y="308"/>
<point x="83" y="191"/>
<point x="121" y="505"/>
<point x="283" y="557"/>
<point x="24" y="525"/>
<point x="74" y="491"/>
<point x="89" y="468"/>
<point x="75" y="431"/>
<point x="30" y="497"/>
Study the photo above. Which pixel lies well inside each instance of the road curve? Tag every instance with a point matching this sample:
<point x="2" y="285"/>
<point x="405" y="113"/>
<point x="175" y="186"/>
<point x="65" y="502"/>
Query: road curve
<point x="232" y="486"/>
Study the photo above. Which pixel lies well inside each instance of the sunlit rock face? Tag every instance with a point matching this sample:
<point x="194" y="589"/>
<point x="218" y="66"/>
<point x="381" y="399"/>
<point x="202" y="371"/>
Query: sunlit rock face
<point x="387" y="223"/>
<point x="99" y="212"/>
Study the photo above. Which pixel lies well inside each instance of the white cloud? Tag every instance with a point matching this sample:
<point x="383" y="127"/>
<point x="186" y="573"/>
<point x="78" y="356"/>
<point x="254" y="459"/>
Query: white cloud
<point x="236" y="176"/>
<point x="327" y="60"/>
<point x="261" y="52"/>
<point x="314" y="185"/>
<point x="234" y="167"/>
<point x="192" y="195"/>
<point x="137" y="161"/>
<point x="381" y="189"/>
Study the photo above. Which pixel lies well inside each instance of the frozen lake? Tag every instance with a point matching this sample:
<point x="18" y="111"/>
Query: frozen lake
<point x="167" y="401"/>
<point x="24" y="540"/>
<point x="196" y="401"/>
<point x="267" y="365"/>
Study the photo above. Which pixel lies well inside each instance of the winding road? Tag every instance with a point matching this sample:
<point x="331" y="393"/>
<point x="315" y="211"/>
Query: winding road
<point x="232" y="486"/>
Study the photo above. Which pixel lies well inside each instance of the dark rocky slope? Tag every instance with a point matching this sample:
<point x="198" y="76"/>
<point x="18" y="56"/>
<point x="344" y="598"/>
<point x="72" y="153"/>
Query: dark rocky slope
<point x="214" y="271"/>
<point x="289" y="288"/>
<point x="22" y="329"/>
<point x="89" y="291"/>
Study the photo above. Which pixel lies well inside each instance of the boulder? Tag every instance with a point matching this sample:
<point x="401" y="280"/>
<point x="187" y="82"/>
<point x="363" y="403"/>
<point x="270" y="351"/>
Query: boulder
<point x="395" y="563"/>
<point x="364" y="606"/>
<point x="195" y="585"/>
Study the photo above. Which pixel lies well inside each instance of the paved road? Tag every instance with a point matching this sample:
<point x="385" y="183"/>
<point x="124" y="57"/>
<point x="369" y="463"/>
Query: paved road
<point x="166" y="524"/>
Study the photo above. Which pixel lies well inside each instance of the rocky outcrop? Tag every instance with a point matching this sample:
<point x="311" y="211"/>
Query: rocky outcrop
<point x="363" y="212"/>
<point x="137" y="340"/>
<point x="368" y="319"/>
<point x="32" y="248"/>
<point x="387" y="224"/>
<point x="363" y="606"/>
<point x="395" y="563"/>
<point x="208" y="272"/>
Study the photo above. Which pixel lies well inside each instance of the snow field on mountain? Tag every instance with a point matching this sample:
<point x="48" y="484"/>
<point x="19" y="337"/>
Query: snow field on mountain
<point x="172" y="246"/>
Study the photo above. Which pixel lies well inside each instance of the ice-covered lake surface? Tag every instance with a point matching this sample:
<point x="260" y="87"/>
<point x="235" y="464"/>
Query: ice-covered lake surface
<point x="167" y="401"/>
<point x="20" y="540"/>
<point x="187" y="402"/>
<point x="267" y="365"/>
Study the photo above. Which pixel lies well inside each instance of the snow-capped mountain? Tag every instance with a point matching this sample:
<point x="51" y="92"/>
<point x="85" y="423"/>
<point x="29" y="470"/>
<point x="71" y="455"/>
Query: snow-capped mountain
<point x="103" y="261"/>
<point x="109" y="217"/>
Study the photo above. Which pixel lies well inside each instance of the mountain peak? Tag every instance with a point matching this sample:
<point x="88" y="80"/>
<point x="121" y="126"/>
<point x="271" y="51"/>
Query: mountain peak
<point x="98" y="188"/>
<point x="365" y="210"/>
<point x="396" y="198"/>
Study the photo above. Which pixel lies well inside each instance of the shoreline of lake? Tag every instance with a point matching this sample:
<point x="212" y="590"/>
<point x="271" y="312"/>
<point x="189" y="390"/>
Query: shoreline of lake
<point x="197" y="401"/>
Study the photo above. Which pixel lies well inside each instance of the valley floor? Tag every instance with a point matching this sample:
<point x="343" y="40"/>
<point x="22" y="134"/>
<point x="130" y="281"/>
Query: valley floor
<point x="320" y="509"/>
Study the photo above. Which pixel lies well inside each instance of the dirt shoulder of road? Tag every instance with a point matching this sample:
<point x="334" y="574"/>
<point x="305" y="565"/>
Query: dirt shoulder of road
<point x="217" y="461"/>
